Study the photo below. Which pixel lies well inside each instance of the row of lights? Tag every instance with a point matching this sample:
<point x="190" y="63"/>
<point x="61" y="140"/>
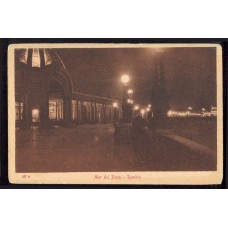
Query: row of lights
<point x="125" y="79"/>
<point x="190" y="109"/>
<point x="171" y="113"/>
<point x="142" y="111"/>
<point x="136" y="107"/>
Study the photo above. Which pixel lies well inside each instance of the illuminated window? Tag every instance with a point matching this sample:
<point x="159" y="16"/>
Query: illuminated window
<point x="52" y="110"/>
<point x="35" y="115"/>
<point x="47" y="58"/>
<point x="55" y="109"/>
<point x="36" y="57"/>
<point x="60" y="110"/>
<point x="23" y="56"/>
<point x="18" y="110"/>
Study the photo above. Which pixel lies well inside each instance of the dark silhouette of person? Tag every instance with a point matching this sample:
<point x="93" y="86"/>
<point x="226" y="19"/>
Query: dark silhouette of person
<point x="141" y="140"/>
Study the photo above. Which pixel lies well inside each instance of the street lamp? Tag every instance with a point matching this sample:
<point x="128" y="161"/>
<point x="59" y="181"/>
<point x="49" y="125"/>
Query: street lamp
<point x="126" y="107"/>
<point x="136" y="107"/>
<point x="170" y="113"/>
<point x="125" y="79"/>
<point x="142" y="111"/>
<point x="130" y="101"/>
<point x="130" y="91"/>
<point x="115" y="115"/>
<point x="203" y="109"/>
<point x="115" y="104"/>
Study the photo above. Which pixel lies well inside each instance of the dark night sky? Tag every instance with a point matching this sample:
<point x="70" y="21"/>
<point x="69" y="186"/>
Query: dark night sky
<point x="190" y="72"/>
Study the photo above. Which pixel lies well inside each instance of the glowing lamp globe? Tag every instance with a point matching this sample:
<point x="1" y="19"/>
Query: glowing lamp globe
<point x="142" y="111"/>
<point x="130" y="91"/>
<point x="115" y="104"/>
<point x="125" y="79"/>
<point x="136" y="107"/>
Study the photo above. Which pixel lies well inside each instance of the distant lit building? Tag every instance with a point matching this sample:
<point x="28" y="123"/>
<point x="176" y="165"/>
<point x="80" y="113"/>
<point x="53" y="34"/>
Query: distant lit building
<point x="213" y="111"/>
<point x="46" y="95"/>
<point x="189" y="113"/>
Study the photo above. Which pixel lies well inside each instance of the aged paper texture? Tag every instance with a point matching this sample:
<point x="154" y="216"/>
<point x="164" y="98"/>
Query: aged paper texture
<point x="115" y="114"/>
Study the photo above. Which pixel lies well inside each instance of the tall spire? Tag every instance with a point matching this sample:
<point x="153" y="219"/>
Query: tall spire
<point x="159" y="96"/>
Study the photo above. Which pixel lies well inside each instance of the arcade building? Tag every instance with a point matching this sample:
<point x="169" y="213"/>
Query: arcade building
<point x="46" y="96"/>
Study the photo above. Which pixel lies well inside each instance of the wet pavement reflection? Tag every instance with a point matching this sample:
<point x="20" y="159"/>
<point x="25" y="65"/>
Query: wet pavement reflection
<point x="88" y="148"/>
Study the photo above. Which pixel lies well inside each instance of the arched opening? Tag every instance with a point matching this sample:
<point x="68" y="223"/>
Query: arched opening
<point x="35" y="116"/>
<point x="60" y="99"/>
<point x="46" y="95"/>
<point x="35" y="108"/>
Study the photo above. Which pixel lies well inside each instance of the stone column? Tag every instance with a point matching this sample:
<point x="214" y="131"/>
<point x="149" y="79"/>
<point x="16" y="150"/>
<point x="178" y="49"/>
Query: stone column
<point x="67" y="107"/>
<point x="44" y="111"/>
<point x="80" y="112"/>
<point x="112" y="113"/>
<point x="27" y="113"/>
<point x="56" y="111"/>
<point x="103" y="113"/>
<point x="42" y="61"/>
<point x="91" y="112"/>
<point x="19" y="103"/>
<point x="120" y="113"/>
<point x="77" y="110"/>
<point x="95" y="112"/>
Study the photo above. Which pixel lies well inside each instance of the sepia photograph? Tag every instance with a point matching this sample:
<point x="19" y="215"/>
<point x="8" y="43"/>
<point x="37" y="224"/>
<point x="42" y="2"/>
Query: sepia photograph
<point x="115" y="113"/>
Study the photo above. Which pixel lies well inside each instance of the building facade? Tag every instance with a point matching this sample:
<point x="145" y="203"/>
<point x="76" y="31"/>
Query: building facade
<point x="45" y="94"/>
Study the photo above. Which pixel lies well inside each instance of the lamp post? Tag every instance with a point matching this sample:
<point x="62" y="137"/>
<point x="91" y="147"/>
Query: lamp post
<point x="148" y="111"/>
<point x="125" y="103"/>
<point x="130" y="92"/>
<point x="115" y="105"/>
<point x="135" y="110"/>
<point x="125" y="79"/>
<point x="142" y="112"/>
<point x="130" y="100"/>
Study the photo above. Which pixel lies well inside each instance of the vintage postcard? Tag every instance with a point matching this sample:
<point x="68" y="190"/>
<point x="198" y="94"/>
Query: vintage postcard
<point x="115" y="114"/>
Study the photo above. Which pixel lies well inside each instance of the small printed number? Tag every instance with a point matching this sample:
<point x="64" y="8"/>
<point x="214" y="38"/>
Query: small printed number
<point x="25" y="176"/>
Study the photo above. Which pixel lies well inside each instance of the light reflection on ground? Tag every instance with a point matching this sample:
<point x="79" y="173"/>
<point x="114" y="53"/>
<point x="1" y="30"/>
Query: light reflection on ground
<point x="93" y="148"/>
